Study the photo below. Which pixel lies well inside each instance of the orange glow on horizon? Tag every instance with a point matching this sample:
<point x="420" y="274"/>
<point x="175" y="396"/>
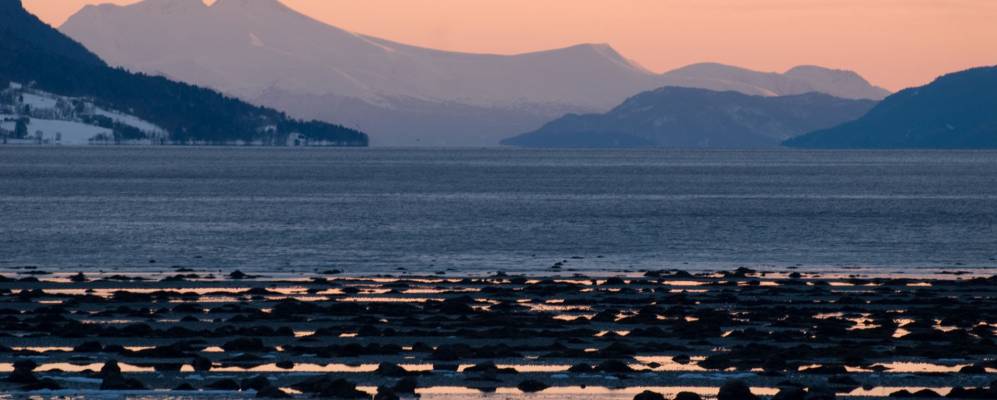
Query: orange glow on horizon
<point x="893" y="43"/>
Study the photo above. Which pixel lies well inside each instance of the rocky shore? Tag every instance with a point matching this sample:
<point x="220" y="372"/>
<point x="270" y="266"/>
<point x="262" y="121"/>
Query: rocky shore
<point x="738" y="334"/>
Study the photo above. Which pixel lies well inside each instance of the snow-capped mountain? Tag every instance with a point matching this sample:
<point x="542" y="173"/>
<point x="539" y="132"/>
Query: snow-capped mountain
<point x="267" y="53"/>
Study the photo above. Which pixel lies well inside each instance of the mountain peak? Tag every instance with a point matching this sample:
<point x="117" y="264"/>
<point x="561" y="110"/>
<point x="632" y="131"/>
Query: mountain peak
<point x="813" y="70"/>
<point x="242" y="6"/>
<point x="172" y="6"/>
<point x="797" y="80"/>
<point x="606" y="51"/>
<point x="707" y="67"/>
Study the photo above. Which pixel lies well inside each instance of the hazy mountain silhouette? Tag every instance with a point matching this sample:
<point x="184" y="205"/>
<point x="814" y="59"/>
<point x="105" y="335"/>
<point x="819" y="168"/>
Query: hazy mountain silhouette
<point x="697" y="118"/>
<point x="957" y="110"/>
<point x="264" y="52"/>
<point x="32" y="52"/>
<point x="798" y="80"/>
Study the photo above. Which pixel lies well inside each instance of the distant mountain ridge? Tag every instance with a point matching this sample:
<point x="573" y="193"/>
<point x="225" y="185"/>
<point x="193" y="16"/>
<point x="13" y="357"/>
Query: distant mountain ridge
<point x="32" y="52"/>
<point x="266" y="53"/>
<point x="797" y="80"/>
<point x="678" y="117"/>
<point x="956" y="111"/>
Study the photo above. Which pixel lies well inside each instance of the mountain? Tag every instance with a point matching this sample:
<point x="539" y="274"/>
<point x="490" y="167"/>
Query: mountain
<point x="32" y="53"/>
<point x="268" y="54"/>
<point x="958" y="110"/>
<point x="798" y="80"/>
<point x="696" y="118"/>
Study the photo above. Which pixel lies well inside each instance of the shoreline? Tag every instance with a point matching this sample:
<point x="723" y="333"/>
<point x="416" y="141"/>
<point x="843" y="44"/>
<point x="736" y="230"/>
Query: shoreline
<point x="661" y="329"/>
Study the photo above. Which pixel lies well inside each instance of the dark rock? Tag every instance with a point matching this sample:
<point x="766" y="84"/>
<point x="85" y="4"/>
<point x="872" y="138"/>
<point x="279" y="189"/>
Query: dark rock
<point x="42" y="384"/>
<point x="649" y="395"/>
<point x="717" y="361"/>
<point x="790" y="393"/>
<point x="384" y="393"/>
<point x="167" y="367"/>
<point x="688" y="396"/>
<point x="26" y="365"/>
<point x="245" y="344"/>
<point x="201" y="364"/>
<point x="285" y="364"/>
<point x="406" y="386"/>
<point x="223" y="384"/>
<point x="88" y="347"/>
<point x="489" y="367"/>
<point x="391" y="370"/>
<point x="973" y="369"/>
<point x="23" y="372"/>
<point x="735" y="390"/>
<point x="531" y="386"/>
<point x="582" y="368"/>
<point x="973" y="393"/>
<point x="184" y="387"/>
<point x="927" y="394"/>
<point x="445" y="367"/>
<point x="614" y="367"/>
<point x="110" y="368"/>
<point x="115" y="348"/>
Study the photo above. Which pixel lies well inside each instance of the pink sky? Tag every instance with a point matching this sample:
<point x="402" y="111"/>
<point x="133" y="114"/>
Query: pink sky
<point x="893" y="43"/>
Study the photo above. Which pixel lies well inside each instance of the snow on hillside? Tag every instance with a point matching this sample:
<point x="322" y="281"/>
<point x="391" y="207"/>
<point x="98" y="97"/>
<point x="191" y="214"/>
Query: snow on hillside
<point x="47" y="118"/>
<point x="131" y="120"/>
<point x="46" y="131"/>
<point x="39" y="102"/>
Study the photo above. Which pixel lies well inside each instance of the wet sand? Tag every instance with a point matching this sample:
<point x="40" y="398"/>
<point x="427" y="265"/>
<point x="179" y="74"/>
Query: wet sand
<point x="558" y="335"/>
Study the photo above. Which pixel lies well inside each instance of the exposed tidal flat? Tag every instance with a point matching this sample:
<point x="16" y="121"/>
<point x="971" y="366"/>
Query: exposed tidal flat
<point x="188" y="333"/>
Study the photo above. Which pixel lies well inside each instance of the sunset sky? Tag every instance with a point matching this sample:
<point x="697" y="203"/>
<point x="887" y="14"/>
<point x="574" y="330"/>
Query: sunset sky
<point x="893" y="43"/>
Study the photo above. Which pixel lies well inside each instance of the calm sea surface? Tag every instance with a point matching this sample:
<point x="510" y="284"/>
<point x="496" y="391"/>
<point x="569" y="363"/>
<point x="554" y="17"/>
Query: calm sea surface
<point x="376" y="210"/>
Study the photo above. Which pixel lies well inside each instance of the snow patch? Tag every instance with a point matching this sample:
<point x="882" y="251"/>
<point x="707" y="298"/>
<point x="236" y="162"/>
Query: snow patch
<point x="131" y="120"/>
<point x="65" y="132"/>
<point x="255" y="40"/>
<point x="38" y="101"/>
<point x="371" y="42"/>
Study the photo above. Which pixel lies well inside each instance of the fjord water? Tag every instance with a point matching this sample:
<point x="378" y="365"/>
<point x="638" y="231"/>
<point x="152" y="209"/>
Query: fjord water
<point x="377" y="210"/>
